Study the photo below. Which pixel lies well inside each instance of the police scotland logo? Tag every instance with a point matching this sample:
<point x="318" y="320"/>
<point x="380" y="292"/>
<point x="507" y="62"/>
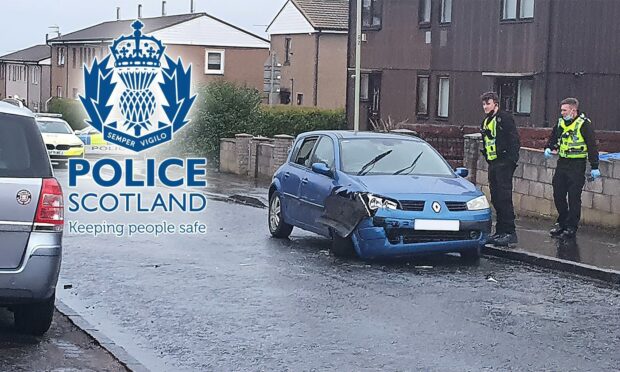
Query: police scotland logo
<point x="122" y="100"/>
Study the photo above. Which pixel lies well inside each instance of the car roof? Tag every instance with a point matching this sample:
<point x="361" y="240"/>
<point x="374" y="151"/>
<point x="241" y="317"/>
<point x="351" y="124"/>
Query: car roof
<point x="7" y="108"/>
<point x="349" y="134"/>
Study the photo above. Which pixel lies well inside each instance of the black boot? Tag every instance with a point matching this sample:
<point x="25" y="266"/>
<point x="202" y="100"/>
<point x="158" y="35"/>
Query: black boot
<point x="556" y="231"/>
<point x="569" y="233"/>
<point x="507" y="240"/>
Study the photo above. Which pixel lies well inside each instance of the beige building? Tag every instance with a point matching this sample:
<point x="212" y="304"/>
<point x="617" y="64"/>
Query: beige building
<point x="215" y="49"/>
<point x="25" y="75"/>
<point x="309" y="40"/>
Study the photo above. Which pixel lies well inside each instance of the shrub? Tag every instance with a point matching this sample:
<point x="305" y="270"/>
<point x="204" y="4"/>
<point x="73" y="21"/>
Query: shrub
<point x="223" y="109"/>
<point x="72" y="111"/>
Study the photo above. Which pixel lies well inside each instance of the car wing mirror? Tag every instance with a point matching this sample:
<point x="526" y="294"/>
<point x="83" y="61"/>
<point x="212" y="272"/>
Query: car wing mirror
<point x="462" y="172"/>
<point x="321" y="168"/>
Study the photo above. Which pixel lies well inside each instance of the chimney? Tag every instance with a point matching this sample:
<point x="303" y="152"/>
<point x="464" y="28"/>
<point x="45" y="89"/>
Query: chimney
<point x="139" y="11"/>
<point x="163" y="8"/>
<point x="118" y="13"/>
<point x="191" y="6"/>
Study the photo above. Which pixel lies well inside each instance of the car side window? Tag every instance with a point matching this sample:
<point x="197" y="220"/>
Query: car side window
<point x="324" y="152"/>
<point x="303" y="156"/>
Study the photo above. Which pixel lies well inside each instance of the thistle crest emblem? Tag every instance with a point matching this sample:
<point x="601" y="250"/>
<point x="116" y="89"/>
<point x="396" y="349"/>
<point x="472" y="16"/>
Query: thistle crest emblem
<point x="155" y="97"/>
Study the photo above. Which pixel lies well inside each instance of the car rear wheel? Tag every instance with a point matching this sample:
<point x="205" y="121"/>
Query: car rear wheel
<point x="342" y="247"/>
<point x="277" y="227"/>
<point x="34" y="319"/>
<point x="471" y="256"/>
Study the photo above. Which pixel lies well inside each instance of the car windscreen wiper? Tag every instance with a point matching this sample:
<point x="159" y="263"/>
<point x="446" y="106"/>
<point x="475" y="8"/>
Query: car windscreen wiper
<point x="411" y="167"/>
<point x="366" y="167"/>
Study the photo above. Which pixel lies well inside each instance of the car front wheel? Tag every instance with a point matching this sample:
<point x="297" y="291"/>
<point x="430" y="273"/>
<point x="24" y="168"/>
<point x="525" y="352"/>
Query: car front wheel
<point x="277" y="227"/>
<point x="34" y="319"/>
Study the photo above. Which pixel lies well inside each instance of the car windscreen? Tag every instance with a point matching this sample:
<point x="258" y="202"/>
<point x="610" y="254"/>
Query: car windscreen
<point x="385" y="156"/>
<point x="54" y="127"/>
<point x="22" y="151"/>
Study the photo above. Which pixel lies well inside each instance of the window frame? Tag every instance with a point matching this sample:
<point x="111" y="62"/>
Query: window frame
<point x="518" y="15"/>
<point x="442" y="12"/>
<point x="372" y="12"/>
<point x="316" y="146"/>
<point x="420" y="77"/>
<point x="296" y="151"/>
<point x="422" y="21"/>
<point x="222" y="54"/>
<point x="518" y="97"/>
<point x="441" y="78"/>
<point x="288" y="50"/>
<point x="60" y="57"/>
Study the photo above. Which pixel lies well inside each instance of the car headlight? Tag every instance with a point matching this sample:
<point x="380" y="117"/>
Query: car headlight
<point x="478" y="203"/>
<point x="375" y="202"/>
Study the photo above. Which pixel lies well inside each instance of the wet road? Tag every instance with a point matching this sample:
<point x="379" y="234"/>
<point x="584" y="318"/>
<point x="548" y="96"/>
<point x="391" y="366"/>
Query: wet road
<point x="63" y="348"/>
<point x="235" y="299"/>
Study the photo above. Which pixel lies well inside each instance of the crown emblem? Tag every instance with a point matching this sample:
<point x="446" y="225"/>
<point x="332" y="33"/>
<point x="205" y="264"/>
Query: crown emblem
<point x="137" y="50"/>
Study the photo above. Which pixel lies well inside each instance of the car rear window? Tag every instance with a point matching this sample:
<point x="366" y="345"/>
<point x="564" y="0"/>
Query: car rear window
<point x="22" y="151"/>
<point x="54" y="127"/>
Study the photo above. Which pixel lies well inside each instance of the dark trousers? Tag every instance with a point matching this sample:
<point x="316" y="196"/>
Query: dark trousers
<point x="500" y="183"/>
<point x="568" y="181"/>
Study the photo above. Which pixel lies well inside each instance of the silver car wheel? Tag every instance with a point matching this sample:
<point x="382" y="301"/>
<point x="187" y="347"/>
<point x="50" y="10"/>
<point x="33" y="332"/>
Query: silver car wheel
<point x="274" y="213"/>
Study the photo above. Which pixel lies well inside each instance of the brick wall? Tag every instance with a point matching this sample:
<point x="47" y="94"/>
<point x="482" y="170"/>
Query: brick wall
<point x="532" y="190"/>
<point x="448" y="139"/>
<point x="255" y="157"/>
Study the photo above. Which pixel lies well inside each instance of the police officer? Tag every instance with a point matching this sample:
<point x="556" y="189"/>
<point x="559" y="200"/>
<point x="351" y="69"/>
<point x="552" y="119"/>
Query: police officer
<point x="501" y="150"/>
<point x="574" y="139"/>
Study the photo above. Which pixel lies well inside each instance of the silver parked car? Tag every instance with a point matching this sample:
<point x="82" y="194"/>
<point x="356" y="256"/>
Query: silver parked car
<point x="31" y="222"/>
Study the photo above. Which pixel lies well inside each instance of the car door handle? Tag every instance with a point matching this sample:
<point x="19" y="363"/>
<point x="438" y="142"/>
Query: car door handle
<point x="286" y="174"/>
<point x="304" y="181"/>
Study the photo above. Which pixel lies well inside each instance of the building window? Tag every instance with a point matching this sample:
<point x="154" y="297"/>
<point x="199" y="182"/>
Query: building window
<point x="300" y="99"/>
<point x="364" y="82"/>
<point x="59" y="91"/>
<point x="443" y="101"/>
<point x="513" y="10"/>
<point x="214" y="62"/>
<point x="424" y="13"/>
<point x="287" y="50"/>
<point x="2" y="71"/>
<point x="446" y="11"/>
<point x="61" y="56"/>
<point x="422" y="96"/>
<point x="372" y="14"/>
<point x="73" y="57"/>
<point x="524" y="96"/>
<point x="81" y="57"/>
<point x="35" y="75"/>
<point x="515" y="95"/>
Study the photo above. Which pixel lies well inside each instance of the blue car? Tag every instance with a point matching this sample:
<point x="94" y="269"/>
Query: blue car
<point x="377" y="195"/>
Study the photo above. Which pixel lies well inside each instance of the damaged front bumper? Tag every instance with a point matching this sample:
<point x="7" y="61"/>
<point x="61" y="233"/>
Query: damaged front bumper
<point x="389" y="232"/>
<point x="395" y="236"/>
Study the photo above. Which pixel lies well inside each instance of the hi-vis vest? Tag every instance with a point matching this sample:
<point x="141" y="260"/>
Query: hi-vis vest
<point x="489" y="142"/>
<point x="571" y="142"/>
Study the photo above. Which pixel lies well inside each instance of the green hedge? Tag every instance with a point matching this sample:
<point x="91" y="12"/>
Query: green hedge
<point x="72" y="111"/>
<point x="223" y="109"/>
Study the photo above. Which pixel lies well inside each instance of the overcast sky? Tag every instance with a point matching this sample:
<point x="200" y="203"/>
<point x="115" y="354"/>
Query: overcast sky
<point x="24" y="23"/>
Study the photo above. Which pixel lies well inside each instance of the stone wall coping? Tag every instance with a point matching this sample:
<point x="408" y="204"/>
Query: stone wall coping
<point x="283" y="136"/>
<point x="243" y="135"/>
<point x="473" y="136"/>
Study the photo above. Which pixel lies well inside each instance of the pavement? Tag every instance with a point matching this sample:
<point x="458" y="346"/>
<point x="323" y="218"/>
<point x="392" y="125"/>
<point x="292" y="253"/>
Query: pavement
<point x="64" y="348"/>
<point x="237" y="299"/>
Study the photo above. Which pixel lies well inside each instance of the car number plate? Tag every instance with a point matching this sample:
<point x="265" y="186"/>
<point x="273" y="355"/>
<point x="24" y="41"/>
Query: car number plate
<point x="56" y="152"/>
<point x="437" y="225"/>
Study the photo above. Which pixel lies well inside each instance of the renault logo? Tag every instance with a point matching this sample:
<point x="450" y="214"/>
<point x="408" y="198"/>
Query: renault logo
<point x="436" y="207"/>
